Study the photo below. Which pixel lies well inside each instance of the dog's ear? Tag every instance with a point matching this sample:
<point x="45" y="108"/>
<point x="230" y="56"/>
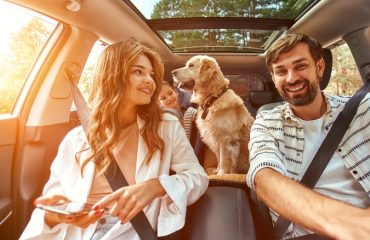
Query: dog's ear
<point x="207" y="71"/>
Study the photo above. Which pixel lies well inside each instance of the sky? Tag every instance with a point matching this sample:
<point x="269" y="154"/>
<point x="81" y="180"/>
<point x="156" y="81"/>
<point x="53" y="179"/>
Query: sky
<point x="146" y="7"/>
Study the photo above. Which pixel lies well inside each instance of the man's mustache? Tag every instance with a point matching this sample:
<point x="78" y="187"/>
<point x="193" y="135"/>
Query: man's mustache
<point x="296" y="83"/>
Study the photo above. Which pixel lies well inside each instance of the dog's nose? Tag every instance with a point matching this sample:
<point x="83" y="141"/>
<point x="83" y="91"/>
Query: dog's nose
<point x="174" y="72"/>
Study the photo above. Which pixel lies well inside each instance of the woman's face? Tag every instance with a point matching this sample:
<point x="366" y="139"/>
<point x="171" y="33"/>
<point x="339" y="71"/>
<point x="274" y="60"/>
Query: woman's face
<point x="141" y="82"/>
<point x="169" y="98"/>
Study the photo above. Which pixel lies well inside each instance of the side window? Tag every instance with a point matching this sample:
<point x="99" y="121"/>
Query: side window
<point x="23" y="35"/>
<point x="345" y="79"/>
<point x="87" y="75"/>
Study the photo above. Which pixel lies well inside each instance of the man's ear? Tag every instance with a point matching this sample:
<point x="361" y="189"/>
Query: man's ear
<point x="320" y="66"/>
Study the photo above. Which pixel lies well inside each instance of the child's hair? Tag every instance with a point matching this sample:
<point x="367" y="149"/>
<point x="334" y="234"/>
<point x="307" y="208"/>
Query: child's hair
<point x="166" y="83"/>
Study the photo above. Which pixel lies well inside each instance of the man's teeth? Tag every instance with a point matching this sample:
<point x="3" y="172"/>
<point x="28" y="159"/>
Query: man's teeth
<point x="295" y="89"/>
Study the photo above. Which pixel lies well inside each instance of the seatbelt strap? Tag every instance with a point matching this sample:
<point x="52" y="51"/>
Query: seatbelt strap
<point x="114" y="175"/>
<point x="140" y="221"/>
<point x="326" y="150"/>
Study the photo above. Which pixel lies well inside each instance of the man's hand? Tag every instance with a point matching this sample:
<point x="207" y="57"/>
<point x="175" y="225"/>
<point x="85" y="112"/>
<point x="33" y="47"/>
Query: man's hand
<point x="314" y="211"/>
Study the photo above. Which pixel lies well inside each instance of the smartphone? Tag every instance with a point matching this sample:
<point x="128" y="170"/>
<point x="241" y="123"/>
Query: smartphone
<point x="68" y="209"/>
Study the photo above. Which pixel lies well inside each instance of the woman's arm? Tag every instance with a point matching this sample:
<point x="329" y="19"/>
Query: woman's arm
<point x="43" y="225"/>
<point x="321" y="214"/>
<point x="52" y="219"/>
<point x="177" y="191"/>
<point x="128" y="201"/>
<point x="190" y="180"/>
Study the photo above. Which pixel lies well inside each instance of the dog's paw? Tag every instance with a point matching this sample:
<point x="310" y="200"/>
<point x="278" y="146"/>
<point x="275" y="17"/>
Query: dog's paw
<point x="221" y="172"/>
<point x="211" y="171"/>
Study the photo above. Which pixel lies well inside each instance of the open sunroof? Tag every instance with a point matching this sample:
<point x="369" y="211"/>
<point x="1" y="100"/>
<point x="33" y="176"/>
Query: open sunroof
<point x="247" y="26"/>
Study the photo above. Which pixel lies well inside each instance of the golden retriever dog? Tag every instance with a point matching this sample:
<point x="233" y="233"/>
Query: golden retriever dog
<point x="222" y="119"/>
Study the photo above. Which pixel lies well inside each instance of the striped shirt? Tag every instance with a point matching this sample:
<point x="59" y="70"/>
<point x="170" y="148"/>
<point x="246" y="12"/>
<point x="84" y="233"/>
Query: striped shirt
<point x="189" y="120"/>
<point x="277" y="141"/>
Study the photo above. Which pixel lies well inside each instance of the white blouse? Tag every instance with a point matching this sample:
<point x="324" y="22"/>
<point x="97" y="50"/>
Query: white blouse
<point x="166" y="214"/>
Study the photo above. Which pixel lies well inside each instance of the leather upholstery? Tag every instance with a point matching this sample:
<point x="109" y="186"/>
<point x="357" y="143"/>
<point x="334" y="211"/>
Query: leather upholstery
<point x="222" y="213"/>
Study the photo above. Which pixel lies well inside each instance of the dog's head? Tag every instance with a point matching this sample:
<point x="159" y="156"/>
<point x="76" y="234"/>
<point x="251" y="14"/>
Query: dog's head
<point x="199" y="72"/>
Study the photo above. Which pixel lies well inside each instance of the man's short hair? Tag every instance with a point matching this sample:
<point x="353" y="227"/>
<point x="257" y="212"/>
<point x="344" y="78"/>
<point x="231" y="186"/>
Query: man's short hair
<point x="287" y="43"/>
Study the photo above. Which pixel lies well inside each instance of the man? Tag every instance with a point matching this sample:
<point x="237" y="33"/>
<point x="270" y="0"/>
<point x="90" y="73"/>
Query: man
<point x="285" y="139"/>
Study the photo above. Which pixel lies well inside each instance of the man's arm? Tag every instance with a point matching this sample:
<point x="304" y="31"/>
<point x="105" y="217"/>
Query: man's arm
<point x="321" y="214"/>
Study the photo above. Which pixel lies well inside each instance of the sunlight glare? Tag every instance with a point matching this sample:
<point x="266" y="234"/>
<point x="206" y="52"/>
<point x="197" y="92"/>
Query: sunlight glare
<point x="10" y="22"/>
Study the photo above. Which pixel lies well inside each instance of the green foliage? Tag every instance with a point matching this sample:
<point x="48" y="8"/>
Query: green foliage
<point x="24" y="46"/>
<point x="209" y="39"/>
<point x="87" y="76"/>
<point x="345" y="78"/>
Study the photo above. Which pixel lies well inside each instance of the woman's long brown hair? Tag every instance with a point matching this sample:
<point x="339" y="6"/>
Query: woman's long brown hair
<point x="109" y="86"/>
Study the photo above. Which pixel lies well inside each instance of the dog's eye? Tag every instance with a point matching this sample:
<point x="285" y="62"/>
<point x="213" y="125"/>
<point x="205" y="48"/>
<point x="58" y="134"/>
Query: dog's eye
<point x="191" y="65"/>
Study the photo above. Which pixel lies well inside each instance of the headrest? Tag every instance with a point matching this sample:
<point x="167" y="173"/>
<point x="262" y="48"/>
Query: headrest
<point x="328" y="58"/>
<point x="259" y="98"/>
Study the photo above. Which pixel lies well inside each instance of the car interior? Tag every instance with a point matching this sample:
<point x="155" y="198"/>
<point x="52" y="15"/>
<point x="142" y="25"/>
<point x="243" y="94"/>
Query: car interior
<point x="236" y="33"/>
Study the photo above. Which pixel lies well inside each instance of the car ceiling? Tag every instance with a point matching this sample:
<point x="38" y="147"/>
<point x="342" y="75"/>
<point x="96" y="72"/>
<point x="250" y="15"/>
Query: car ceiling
<point x="113" y="20"/>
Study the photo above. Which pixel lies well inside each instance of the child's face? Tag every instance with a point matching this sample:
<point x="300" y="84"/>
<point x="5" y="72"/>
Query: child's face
<point x="169" y="98"/>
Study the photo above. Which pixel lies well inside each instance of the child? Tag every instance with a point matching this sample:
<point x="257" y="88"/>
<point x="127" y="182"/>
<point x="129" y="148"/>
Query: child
<point x="169" y="99"/>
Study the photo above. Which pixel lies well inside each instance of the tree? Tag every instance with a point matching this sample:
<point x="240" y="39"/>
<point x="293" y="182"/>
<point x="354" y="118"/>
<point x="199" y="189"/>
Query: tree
<point x="25" y="46"/>
<point x="221" y="8"/>
<point x="345" y="79"/>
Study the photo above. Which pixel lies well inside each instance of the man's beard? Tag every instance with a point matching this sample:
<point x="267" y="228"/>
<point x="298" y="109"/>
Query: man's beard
<point x="301" y="99"/>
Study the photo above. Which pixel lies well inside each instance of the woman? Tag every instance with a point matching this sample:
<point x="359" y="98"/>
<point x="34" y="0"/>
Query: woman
<point x="127" y="125"/>
<point x="169" y="99"/>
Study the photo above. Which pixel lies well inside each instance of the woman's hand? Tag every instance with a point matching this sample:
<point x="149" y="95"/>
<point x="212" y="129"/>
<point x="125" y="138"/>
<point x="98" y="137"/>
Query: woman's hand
<point x="128" y="201"/>
<point x="52" y="219"/>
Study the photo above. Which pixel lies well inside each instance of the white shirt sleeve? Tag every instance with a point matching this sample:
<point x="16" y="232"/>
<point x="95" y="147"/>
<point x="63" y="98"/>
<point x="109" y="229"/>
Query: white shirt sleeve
<point x="37" y="228"/>
<point x="183" y="188"/>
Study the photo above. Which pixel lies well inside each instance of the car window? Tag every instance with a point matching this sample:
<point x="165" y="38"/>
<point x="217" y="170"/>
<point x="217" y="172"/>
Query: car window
<point x="23" y="35"/>
<point x="89" y="70"/>
<point x="194" y="26"/>
<point x="345" y="78"/>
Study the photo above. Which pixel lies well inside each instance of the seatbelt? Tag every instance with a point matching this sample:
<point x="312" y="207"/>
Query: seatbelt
<point x="327" y="149"/>
<point x="140" y="221"/>
<point x="114" y="175"/>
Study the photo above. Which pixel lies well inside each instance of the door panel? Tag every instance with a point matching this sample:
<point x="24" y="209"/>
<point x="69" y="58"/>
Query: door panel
<point x="39" y="148"/>
<point x="8" y="132"/>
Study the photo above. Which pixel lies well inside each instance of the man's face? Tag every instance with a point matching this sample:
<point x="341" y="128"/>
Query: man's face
<point x="296" y="75"/>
